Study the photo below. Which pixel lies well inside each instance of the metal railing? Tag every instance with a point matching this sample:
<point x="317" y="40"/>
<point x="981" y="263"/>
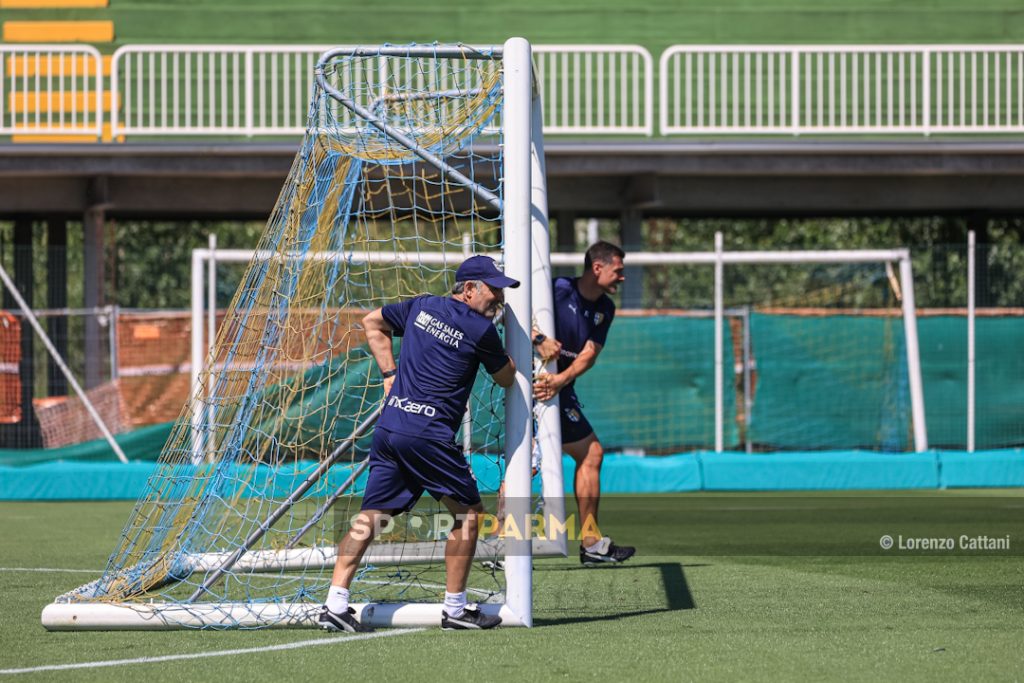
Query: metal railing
<point x="257" y="90"/>
<point x="264" y="90"/>
<point x="596" y="89"/>
<point x="246" y="90"/>
<point x="51" y="90"/>
<point x="846" y="89"/>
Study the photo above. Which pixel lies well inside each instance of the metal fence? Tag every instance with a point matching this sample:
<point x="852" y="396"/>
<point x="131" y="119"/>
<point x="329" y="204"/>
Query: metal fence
<point x="260" y="90"/>
<point x="212" y="90"/>
<point x="51" y="90"/>
<point x="264" y="90"/>
<point x="595" y="89"/>
<point x="841" y="89"/>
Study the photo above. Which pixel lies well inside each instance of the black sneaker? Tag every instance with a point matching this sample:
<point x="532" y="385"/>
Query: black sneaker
<point x="471" y="617"/>
<point x="607" y="553"/>
<point x="332" y="621"/>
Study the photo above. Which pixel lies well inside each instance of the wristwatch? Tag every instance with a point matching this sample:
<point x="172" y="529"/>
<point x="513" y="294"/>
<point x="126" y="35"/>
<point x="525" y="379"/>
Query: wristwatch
<point x="538" y="339"/>
<point x="389" y="373"/>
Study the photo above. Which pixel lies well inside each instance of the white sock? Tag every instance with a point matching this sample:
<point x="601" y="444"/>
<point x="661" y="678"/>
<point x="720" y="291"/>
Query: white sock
<point x="599" y="547"/>
<point x="455" y="603"/>
<point x="337" y="599"/>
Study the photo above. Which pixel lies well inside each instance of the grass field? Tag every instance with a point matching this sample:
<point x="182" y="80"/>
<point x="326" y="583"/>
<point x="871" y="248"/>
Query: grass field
<point x="724" y="587"/>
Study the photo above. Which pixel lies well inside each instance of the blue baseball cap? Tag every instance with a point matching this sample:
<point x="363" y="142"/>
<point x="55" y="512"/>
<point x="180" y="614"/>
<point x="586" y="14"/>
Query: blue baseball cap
<point x="484" y="269"/>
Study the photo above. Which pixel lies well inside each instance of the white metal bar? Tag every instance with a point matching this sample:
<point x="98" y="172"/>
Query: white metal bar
<point x="549" y="429"/>
<point x="246" y="255"/>
<point x="211" y="292"/>
<point x="719" y="340"/>
<point x="794" y="91"/>
<point x="516" y="225"/>
<point x="641" y="258"/>
<point x="197" y="352"/>
<point x="84" y="616"/>
<point x="211" y="334"/>
<point x="913" y="355"/>
<point x="971" y="387"/>
<point x="638" y="258"/>
<point x="926" y="91"/>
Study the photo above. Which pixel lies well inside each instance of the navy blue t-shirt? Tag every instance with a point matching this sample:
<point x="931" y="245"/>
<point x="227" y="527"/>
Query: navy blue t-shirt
<point x="444" y="342"/>
<point x="578" y="320"/>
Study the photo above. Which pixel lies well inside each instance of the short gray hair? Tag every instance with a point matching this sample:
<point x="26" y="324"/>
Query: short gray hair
<point x="460" y="287"/>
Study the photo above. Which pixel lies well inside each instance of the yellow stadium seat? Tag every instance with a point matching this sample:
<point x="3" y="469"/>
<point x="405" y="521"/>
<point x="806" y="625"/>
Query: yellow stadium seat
<point x="54" y="102"/>
<point x="58" y="31"/>
<point x="80" y="65"/>
<point x="53" y="4"/>
<point x="65" y="138"/>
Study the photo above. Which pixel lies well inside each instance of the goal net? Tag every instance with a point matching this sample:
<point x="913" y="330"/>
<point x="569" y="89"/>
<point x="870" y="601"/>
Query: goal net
<point x="414" y="158"/>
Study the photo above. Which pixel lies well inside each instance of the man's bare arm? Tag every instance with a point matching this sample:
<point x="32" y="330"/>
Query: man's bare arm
<point x="546" y="386"/>
<point x="378" y="339"/>
<point x="506" y="376"/>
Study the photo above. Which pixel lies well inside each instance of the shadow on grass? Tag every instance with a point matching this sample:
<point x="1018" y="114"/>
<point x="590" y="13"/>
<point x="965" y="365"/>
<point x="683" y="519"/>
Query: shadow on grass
<point x="677" y="594"/>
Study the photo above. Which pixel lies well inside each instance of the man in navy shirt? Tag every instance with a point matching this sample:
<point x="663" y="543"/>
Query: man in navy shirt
<point x="444" y="342"/>
<point x="583" y="315"/>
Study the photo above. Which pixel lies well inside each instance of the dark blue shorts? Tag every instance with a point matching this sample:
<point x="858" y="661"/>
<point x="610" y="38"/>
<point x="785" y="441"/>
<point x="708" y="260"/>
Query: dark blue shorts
<point x="574" y="423"/>
<point x="403" y="467"/>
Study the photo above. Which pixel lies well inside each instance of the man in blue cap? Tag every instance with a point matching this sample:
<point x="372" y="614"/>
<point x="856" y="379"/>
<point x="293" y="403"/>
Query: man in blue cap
<point x="444" y="342"/>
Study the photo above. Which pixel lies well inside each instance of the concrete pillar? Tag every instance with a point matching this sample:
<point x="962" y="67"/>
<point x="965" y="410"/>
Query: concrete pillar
<point x="96" y="356"/>
<point x="57" y="297"/>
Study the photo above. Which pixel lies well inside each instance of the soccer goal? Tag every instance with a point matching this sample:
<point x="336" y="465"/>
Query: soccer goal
<point x="414" y="158"/>
<point x="762" y="351"/>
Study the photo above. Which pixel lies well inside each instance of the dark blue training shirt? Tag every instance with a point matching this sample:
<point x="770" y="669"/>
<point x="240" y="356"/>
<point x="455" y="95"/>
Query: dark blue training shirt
<point x="444" y="342"/>
<point x="577" y="320"/>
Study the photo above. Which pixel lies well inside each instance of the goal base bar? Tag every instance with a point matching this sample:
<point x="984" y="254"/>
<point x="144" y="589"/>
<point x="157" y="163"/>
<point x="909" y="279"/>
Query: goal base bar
<point x="169" y="617"/>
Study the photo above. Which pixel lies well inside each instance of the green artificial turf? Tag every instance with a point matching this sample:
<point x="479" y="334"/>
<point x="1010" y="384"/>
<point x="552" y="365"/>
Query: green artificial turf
<point x="724" y="587"/>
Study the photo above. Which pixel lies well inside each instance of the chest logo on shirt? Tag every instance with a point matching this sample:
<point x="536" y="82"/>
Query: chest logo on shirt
<point x="572" y="308"/>
<point x="441" y="331"/>
<point x="598" y="317"/>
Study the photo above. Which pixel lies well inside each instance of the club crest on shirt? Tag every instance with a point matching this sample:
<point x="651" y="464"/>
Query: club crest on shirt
<point x="572" y="414"/>
<point x="598" y="317"/>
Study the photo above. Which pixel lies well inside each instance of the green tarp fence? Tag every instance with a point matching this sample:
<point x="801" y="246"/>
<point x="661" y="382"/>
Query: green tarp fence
<point x="653" y="386"/>
<point x="822" y="383"/>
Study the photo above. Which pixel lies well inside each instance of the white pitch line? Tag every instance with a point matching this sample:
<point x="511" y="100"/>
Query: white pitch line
<point x="51" y="569"/>
<point x="219" y="653"/>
